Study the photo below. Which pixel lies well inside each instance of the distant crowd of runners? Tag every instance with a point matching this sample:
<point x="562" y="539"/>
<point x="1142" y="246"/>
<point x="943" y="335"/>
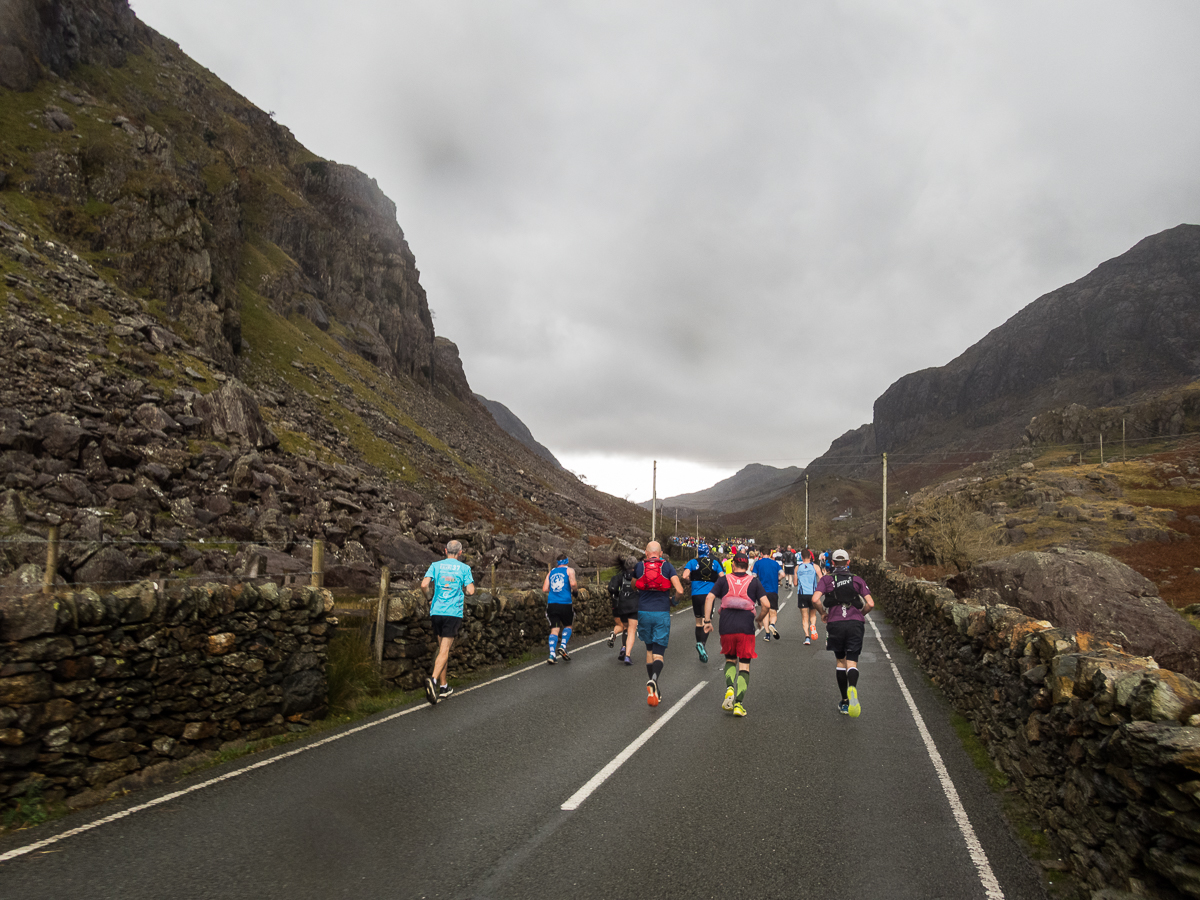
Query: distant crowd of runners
<point x="739" y="583"/>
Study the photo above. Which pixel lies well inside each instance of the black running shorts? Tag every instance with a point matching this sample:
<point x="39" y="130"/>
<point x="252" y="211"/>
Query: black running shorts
<point x="561" y="615"/>
<point x="773" y="599"/>
<point x="698" y="604"/>
<point x="446" y="626"/>
<point x="804" y="601"/>
<point x="845" y="639"/>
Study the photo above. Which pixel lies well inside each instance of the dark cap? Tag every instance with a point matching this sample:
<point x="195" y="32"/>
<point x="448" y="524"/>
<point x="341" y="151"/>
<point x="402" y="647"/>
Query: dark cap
<point x="741" y="560"/>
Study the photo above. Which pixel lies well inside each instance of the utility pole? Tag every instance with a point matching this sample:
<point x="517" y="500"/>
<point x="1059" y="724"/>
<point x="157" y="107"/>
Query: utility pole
<point x="885" y="509"/>
<point x="1122" y="440"/>
<point x="1102" y="448"/>
<point x="806" y="509"/>
<point x="654" y="500"/>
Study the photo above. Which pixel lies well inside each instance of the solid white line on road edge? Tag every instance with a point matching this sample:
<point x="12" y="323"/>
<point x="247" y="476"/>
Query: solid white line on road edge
<point x="166" y="798"/>
<point x="619" y="760"/>
<point x="991" y="885"/>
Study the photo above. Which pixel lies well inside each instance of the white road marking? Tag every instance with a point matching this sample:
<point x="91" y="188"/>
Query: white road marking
<point x="166" y="798"/>
<point x="991" y="885"/>
<point x="620" y="759"/>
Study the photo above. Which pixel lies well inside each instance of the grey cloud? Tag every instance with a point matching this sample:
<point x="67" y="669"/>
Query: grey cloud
<point x="618" y="208"/>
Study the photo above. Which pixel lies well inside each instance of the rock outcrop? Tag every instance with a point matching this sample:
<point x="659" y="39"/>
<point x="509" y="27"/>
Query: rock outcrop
<point x="1093" y="593"/>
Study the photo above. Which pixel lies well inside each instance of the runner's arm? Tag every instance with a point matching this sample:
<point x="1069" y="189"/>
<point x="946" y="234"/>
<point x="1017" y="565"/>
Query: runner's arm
<point x="572" y="579"/>
<point x="546" y="584"/>
<point x="868" y="604"/>
<point x="708" y="608"/>
<point x="425" y="583"/>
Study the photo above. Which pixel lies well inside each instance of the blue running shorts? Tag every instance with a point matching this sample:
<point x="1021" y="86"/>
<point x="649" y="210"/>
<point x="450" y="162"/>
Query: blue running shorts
<point x="654" y="627"/>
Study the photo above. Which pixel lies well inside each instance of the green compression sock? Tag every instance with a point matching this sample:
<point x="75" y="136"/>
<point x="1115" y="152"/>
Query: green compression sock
<point x="730" y="674"/>
<point x="743" y="682"/>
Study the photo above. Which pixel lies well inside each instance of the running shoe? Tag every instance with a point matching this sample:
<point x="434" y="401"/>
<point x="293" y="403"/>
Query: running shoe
<point x="844" y="707"/>
<point x="621" y="654"/>
<point x="445" y="691"/>
<point x="628" y="660"/>
<point x="727" y="703"/>
<point x="430" y="691"/>
<point x="766" y="634"/>
<point x="612" y="636"/>
<point x="738" y="709"/>
<point x="703" y="653"/>
<point x="552" y="660"/>
<point x="814" y="632"/>
<point x="774" y="633"/>
<point x="854" y="709"/>
<point x="807" y="641"/>
<point x="652" y="692"/>
<point x="563" y="654"/>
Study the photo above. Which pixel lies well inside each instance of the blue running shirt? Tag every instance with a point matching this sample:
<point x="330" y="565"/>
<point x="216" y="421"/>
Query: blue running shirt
<point x="806" y="578"/>
<point x="450" y="578"/>
<point x="560" y="586"/>
<point x="767" y="571"/>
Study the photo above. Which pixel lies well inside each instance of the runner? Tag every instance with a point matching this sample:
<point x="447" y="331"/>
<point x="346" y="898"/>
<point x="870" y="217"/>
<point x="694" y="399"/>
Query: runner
<point x="560" y="586"/>
<point x="845" y="621"/>
<point x="624" y="608"/>
<point x="654" y="577"/>
<point x="767" y="570"/>
<point x="789" y="566"/>
<point x="737" y="592"/>
<point x="807" y="576"/>
<point x="445" y="583"/>
<point x="707" y="571"/>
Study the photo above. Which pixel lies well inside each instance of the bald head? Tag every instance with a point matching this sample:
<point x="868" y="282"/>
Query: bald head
<point x="653" y="549"/>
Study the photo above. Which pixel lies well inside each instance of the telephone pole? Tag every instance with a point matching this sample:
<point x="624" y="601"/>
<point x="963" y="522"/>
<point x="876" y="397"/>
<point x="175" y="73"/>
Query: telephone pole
<point x="885" y="509"/>
<point x="806" y="509"/>
<point x="654" y="500"/>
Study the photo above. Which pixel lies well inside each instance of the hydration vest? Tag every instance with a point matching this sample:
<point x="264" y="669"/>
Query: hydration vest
<point x="706" y="570"/>
<point x="737" y="597"/>
<point x="844" y="593"/>
<point x="652" y="577"/>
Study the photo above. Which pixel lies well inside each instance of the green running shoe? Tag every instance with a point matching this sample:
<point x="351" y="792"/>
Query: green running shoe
<point x="727" y="703"/>
<point x="854" y="709"/>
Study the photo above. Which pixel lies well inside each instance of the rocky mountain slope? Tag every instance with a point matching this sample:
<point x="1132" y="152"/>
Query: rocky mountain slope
<point x="751" y="486"/>
<point x="1120" y="336"/>
<point x="215" y="346"/>
<point x="508" y="420"/>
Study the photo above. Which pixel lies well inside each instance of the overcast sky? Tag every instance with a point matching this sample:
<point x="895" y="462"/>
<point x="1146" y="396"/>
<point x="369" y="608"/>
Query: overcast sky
<point x="638" y="220"/>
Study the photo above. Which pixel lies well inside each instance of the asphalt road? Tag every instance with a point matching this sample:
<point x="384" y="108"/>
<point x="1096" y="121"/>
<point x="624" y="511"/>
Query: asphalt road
<point x="465" y="799"/>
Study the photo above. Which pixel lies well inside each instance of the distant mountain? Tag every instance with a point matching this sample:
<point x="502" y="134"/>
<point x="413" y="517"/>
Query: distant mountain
<point x="752" y="486"/>
<point x="508" y="421"/>
<point x="1128" y="330"/>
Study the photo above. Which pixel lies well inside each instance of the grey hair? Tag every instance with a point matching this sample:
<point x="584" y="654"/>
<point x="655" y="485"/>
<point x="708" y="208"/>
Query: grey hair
<point x="454" y="548"/>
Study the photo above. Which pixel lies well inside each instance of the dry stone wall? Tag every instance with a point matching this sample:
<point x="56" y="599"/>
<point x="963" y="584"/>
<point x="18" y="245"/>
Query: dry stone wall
<point x="496" y="628"/>
<point x="1104" y="745"/>
<point x="104" y="693"/>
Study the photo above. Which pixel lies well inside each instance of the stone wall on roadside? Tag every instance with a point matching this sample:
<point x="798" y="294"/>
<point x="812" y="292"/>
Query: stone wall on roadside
<point x="1104" y="745"/>
<point x="496" y="628"/>
<point x="99" y="694"/>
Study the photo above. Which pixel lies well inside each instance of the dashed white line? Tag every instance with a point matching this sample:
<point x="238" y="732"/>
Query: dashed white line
<point x="621" y="758"/>
<point x="991" y="885"/>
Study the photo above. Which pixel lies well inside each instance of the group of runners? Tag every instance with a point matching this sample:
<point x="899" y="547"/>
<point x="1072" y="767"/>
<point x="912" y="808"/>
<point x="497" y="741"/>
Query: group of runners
<point x="744" y="594"/>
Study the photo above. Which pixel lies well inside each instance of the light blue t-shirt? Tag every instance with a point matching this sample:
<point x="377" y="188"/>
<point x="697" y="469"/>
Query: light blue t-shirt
<point x="450" y="579"/>
<point x="806" y="578"/>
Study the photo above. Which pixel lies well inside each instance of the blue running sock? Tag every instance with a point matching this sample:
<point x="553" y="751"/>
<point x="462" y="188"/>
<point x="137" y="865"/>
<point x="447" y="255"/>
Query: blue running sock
<point x="566" y="636"/>
<point x="553" y="643"/>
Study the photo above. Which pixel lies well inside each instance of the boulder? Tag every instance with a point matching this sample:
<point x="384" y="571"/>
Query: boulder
<point x="1090" y="592"/>
<point x="59" y="433"/>
<point x="395" y="549"/>
<point x="302" y="691"/>
<point x="234" y="410"/>
<point x="24" y="616"/>
<point x="108" y="567"/>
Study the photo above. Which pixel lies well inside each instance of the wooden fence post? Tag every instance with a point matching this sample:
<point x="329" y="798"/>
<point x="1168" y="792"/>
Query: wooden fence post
<point x="318" y="564"/>
<point x="51" y="561"/>
<point x="385" y="582"/>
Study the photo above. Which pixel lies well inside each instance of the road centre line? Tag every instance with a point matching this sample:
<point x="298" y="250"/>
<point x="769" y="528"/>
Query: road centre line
<point x="991" y="885"/>
<point x="621" y="758"/>
<point x="174" y="795"/>
<point x="17" y="852"/>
